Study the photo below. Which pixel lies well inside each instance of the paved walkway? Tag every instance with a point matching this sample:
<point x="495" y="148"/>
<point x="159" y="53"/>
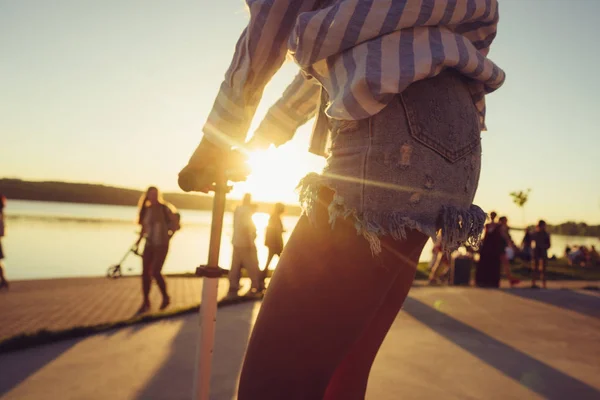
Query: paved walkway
<point x="59" y="304"/>
<point x="450" y="343"/>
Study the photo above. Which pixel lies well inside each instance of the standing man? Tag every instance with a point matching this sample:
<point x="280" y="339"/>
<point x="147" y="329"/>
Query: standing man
<point x="540" y="253"/>
<point x="244" y="248"/>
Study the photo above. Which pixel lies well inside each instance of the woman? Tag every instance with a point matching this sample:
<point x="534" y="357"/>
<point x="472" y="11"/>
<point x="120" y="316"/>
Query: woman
<point x="488" y="267"/>
<point x="401" y="88"/>
<point x="155" y="216"/>
<point x="508" y="243"/>
<point x="273" y="238"/>
<point x="492" y="255"/>
<point x="3" y="281"/>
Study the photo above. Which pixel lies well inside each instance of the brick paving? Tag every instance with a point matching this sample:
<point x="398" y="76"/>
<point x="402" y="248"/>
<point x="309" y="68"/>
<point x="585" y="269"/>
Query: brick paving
<point x="58" y="304"/>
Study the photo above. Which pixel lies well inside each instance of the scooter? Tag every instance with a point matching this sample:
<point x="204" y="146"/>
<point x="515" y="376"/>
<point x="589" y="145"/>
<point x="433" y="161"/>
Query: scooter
<point x="211" y="272"/>
<point x="115" y="271"/>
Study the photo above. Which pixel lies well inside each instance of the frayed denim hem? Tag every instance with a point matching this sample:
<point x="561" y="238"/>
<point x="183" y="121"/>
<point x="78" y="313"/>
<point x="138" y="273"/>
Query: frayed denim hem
<point x="457" y="227"/>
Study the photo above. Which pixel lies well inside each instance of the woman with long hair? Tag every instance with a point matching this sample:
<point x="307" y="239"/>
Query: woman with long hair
<point x="492" y="254"/>
<point x="3" y="281"/>
<point x="155" y="216"/>
<point x="273" y="238"/>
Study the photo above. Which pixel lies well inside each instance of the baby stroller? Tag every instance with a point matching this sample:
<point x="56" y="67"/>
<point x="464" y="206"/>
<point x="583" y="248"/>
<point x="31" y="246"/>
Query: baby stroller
<point x="115" y="271"/>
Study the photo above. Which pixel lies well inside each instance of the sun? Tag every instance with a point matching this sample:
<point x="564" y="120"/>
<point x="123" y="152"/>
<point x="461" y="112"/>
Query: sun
<point x="276" y="173"/>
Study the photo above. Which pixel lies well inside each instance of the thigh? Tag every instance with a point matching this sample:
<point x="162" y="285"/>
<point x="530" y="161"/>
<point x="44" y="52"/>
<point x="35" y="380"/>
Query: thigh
<point x="148" y="258"/>
<point x="326" y="289"/>
<point x="160" y="255"/>
<point x="351" y="376"/>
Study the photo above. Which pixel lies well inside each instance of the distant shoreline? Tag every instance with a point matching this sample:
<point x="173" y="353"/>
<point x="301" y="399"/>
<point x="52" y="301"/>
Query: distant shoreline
<point x="84" y="193"/>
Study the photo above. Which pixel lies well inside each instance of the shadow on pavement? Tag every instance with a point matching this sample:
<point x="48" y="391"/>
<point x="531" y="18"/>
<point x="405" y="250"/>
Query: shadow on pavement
<point x="529" y="372"/>
<point x="564" y="298"/>
<point x="174" y="379"/>
<point x="16" y="367"/>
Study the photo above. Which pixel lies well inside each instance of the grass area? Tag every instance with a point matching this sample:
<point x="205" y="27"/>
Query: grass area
<point x="558" y="270"/>
<point x="44" y="336"/>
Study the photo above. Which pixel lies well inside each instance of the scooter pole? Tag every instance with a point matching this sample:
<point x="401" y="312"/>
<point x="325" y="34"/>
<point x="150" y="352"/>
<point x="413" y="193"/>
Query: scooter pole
<point x="210" y="285"/>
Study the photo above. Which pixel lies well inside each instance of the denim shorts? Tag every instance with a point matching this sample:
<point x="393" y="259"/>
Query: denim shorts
<point x="413" y="166"/>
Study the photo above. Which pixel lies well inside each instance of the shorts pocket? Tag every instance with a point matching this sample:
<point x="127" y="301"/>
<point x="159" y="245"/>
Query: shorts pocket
<point x="441" y="115"/>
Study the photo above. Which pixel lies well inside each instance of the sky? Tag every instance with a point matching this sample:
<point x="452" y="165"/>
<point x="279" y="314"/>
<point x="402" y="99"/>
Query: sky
<point x="116" y="92"/>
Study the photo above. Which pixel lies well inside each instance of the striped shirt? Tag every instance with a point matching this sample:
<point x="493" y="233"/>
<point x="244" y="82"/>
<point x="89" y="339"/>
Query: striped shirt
<point x="361" y="52"/>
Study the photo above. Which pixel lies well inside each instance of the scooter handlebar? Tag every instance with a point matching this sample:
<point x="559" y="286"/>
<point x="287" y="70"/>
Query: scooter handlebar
<point x="234" y="167"/>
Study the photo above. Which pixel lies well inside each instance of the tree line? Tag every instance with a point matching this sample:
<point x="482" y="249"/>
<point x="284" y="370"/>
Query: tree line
<point x="66" y="192"/>
<point x="575" y="229"/>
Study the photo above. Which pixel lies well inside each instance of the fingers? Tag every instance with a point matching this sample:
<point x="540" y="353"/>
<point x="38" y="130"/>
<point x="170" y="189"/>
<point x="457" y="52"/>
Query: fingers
<point x="193" y="180"/>
<point x="200" y="173"/>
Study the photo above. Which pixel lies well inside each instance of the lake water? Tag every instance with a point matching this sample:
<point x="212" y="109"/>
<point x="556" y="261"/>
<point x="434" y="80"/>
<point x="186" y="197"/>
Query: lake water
<point x="51" y="240"/>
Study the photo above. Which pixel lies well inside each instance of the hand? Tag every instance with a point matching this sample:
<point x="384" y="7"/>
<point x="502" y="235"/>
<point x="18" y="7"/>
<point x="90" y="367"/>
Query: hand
<point x="198" y="174"/>
<point x="201" y="172"/>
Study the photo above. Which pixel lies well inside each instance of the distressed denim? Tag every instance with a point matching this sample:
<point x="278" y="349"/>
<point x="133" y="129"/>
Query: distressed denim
<point x="414" y="165"/>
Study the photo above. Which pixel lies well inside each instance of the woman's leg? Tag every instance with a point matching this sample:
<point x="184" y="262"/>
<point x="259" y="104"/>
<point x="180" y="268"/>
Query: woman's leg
<point x="3" y="281"/>
<point x="350" y="379"/>
<point x="147" y="258"/>
<point x="437" y="260"/>
<point x="157" y="265"/>
<point x="506" y="265"/>
<point x="301" y="337"/>
<point x="269" y="259"/>
<point x="264" y="272"/>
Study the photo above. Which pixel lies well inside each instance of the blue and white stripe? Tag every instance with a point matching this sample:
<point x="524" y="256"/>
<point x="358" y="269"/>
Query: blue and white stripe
<point x="362" y="52"/>
<point x="297" y="105"/>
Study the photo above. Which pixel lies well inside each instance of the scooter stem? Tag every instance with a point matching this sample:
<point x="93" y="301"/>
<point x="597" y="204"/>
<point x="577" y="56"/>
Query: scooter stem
<point x="210" y="289"/>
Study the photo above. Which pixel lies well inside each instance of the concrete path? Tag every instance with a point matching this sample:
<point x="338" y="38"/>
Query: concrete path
<point x="450" y="343"/>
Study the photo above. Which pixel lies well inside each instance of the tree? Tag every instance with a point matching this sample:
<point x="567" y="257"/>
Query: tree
<point x="520" y="198"/>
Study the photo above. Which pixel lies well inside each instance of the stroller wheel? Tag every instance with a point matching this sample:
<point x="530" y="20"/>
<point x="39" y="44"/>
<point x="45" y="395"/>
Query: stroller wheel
<point x="114" y="272"/>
